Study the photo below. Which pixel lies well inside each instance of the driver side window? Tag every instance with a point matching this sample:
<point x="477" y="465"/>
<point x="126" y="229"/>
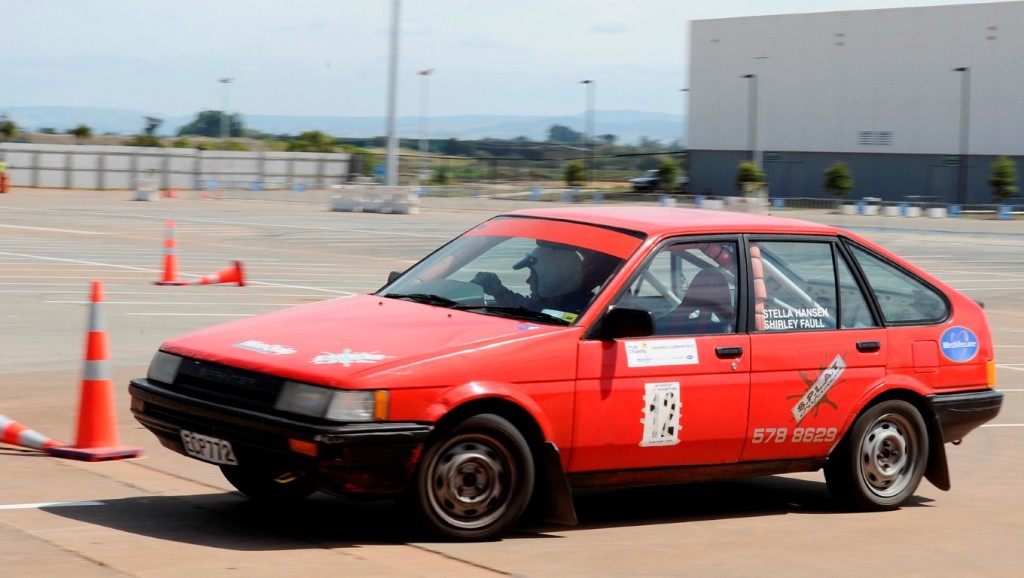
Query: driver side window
<point x="690" y="288"/>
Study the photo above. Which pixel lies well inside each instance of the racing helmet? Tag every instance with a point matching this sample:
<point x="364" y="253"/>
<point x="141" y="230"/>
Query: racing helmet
<point x="559" y="269"/>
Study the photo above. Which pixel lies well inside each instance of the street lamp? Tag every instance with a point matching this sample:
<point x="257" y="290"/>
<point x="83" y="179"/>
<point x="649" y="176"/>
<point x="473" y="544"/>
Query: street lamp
<point x="424" y="101"/>
<point x="752" y="128"/>
<point x="224" y="115"/>
<point x="682" y="141"/>
<point x="965" y="131"/>
<point x="392" y="156"/>
<point x="683" y="156"/>
<point x="588" y="132"/>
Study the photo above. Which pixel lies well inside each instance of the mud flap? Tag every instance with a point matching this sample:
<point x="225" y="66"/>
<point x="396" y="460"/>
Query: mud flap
<point x="556" y="502"/>
<point x="937" y="471"/>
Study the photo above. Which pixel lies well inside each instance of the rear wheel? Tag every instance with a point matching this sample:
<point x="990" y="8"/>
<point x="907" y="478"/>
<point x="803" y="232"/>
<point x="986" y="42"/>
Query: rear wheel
<point x="476" y="481"/>
<point x="880" y="463"/>
<point x="272" y="485"/>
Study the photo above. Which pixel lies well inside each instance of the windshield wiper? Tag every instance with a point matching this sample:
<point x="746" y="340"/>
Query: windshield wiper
<point x="515" y="312"/>
<point x="426" y="298"/>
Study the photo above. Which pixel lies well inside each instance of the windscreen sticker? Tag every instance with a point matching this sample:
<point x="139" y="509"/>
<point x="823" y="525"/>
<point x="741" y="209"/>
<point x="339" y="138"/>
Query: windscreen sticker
<point x="817" y="390"/>
<point x="265" y="348"/>
<point x="661" y="352"/>
<point x="348" y="357"/>
<point x="795" y="318"/>
<point x="959" y="344"/>
<point x="566" y="316"/>
<point x="662" y="406"/>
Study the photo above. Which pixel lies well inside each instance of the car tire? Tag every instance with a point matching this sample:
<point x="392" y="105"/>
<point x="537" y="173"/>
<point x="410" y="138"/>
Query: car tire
<point x="881" y="461"/>
<point x="269" y="485"/>
<point x="475" y="481"/>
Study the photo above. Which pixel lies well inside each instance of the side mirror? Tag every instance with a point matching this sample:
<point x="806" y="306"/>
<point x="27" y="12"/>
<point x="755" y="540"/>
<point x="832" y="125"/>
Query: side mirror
<point x="623" y="322"/>
<point x="393" y="275"/>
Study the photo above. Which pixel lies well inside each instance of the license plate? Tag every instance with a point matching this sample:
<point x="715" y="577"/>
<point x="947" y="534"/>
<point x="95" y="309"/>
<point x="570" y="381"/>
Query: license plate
<point x="208" y="449"/>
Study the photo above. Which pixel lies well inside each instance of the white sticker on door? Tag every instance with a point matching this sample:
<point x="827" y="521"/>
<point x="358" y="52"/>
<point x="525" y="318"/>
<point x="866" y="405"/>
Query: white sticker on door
<point x="660" y="352"/>
<point x="662" y="406"/>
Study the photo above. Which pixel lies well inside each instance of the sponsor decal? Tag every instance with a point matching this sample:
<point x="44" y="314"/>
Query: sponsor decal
<point x="265" y="348"/>
<point x="661" y="414"/>
<point x="817" y="389"/>
<point x="661" y="352"/>
<point x="959" y="344"/>
<point x="348" y="357"/>
<point x="526" y="327"/>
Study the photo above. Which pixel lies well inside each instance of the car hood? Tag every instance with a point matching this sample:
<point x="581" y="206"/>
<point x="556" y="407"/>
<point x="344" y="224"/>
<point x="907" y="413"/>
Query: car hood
<point x="370" y="341"/>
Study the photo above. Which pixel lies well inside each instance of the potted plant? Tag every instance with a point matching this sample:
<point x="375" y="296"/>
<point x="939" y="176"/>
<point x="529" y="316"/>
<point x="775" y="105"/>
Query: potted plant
<point x="1002" y="179"/>
<point x="839" y="182"/>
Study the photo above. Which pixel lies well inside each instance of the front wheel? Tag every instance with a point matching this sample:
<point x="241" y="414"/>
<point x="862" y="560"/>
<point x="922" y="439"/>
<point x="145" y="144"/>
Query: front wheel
<point x="880" y="463"/>
<point x="476" y="481"/>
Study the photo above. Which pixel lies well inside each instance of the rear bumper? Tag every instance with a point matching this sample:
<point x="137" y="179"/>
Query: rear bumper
<point x="349" y="458"/>
<point x="959" y="413"/>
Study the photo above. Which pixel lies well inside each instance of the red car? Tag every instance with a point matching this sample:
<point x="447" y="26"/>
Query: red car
<point x="552" y="349"/>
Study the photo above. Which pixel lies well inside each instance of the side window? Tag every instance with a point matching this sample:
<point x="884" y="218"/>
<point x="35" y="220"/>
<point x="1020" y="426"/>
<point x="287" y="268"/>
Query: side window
<point x="854" y="312"/>
<point x="689" y="287"/>
<point x="902" y="297"/>
<point x="794" y="286"/>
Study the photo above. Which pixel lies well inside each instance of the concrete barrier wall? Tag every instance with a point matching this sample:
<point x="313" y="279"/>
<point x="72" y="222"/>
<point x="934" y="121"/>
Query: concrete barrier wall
<point x="118" y="167"/>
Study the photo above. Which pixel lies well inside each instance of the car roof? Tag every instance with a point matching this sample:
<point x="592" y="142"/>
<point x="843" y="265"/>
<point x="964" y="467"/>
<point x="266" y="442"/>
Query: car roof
<point x="658" y="221"/>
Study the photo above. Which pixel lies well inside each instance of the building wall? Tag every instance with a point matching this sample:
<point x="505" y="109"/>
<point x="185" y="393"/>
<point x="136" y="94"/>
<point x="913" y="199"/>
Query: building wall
<point x="874" y="88"/>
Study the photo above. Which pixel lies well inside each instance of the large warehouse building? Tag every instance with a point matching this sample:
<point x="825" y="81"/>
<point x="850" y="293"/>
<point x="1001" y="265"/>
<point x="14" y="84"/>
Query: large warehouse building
<point x="918" y="102"/>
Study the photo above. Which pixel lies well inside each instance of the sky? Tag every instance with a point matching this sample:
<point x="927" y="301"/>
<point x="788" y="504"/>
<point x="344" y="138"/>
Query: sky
<point x="330" y="57"/>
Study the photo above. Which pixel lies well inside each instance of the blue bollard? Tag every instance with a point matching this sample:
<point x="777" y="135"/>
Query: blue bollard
<point x="955" y="210"/>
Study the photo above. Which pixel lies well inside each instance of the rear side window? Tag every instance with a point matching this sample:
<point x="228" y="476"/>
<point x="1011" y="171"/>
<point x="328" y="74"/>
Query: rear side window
<point x="903" y="298"/>
<point x="805" y="285"/>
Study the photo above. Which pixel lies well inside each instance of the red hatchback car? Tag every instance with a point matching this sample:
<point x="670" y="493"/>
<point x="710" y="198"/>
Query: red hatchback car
<point x="552" y="349"/>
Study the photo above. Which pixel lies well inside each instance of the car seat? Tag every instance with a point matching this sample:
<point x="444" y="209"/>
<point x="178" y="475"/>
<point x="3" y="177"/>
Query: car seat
<point x="706" y="307"/>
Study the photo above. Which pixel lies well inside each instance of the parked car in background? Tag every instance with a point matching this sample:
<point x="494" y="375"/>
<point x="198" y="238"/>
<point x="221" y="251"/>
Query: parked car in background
<point x="650" y="181"/>
<point x="547" y="350"/>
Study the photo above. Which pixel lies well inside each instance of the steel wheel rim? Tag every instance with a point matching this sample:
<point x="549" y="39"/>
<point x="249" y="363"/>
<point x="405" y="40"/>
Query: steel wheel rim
<point x="469" y="481"/>
<point x="887" y="457"/>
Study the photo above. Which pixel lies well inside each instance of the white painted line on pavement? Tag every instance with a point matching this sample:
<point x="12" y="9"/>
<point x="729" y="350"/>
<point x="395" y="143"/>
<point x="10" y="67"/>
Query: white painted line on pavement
<point x="55" y="230"/>
<point x="47" y="505"/>
<point x="192" y="314"/>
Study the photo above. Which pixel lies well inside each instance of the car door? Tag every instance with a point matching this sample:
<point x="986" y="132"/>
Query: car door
<point x="816" y="347"/>
<point x="678" y="397"/>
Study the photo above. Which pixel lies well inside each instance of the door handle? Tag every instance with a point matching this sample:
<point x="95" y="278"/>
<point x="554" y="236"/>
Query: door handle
<point x="868" y="346"/>
<point x="727" y="352"/>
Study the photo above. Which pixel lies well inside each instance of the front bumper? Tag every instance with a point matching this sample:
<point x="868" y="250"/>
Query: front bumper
<point x="362" y="458"/>
<point x="960" y="413"/>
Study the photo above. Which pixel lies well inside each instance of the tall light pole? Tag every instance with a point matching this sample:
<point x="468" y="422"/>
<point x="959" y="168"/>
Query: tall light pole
<point x="965" y="132"/>
<point x="683" y="156"/>
<point x="752" y="122"/>
<point x="424" y="101"/>
<point x="588" y="132"/>
<point x="227" y="101"/>
<point x="392" y="159"/>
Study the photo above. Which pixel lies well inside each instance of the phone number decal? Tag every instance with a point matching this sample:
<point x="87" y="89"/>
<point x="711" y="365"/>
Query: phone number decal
<point x="780" y="435"/>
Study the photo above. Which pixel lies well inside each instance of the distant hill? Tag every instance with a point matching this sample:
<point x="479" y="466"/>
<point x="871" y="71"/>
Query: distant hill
<point x="628" y="126"/>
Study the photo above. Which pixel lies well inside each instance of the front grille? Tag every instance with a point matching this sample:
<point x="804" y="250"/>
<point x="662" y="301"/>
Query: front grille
<point x="225" y="385"/>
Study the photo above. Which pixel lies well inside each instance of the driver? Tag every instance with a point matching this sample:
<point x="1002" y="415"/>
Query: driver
<point x="556" y="276"/>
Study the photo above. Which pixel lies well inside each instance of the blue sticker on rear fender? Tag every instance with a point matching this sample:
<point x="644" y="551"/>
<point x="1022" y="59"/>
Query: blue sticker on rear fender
<point x="959" y="344"/>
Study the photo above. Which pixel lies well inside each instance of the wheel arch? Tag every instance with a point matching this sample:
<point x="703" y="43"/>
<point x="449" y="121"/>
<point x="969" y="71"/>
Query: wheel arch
<point x="552" y="495"/>
<point x="937" y="468"/>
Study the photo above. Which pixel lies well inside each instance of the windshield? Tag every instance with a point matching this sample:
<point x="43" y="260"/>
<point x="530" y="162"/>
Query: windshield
<point x="545" y="271"/>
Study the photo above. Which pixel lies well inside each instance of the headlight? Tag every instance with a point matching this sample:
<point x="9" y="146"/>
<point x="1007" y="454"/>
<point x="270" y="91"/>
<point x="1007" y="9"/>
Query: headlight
<point x="164" y="367"/>
<point x="332" y="404"/>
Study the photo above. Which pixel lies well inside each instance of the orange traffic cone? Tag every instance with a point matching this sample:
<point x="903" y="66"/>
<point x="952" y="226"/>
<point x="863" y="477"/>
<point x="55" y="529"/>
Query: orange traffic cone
<point x="97" y="424"/>
<point x="233" y="274"/>
<point x="15" y="434"/>
<point x="170" y="257"/>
